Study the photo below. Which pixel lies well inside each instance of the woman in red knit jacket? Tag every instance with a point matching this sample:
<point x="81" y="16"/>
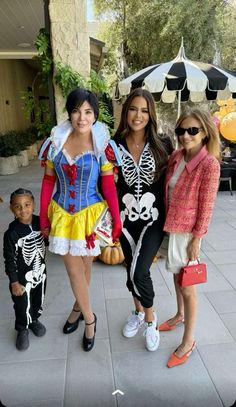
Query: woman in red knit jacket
<point x="191" y="186"/>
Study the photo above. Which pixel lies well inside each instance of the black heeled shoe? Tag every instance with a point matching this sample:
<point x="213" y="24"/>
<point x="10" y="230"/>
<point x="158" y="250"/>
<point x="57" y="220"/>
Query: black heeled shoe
<point x="70" y="327"/>
<point x="88" y="343"/>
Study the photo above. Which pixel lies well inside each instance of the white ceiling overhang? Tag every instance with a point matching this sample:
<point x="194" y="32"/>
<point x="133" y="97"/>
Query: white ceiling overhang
<point x="21" y="21"/>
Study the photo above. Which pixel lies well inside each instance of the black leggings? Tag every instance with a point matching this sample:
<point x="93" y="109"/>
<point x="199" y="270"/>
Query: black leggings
<point x="139" y="252"/>
<point x="21" y="303"/>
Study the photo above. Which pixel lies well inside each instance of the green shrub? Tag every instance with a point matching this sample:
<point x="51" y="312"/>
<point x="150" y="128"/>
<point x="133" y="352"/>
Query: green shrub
<point x="31" y="135"/>
<point x="20" y="136"/>
<point x="27" y="137"/>
<point x="9" y="144"/>
<point x="12" y="142"/>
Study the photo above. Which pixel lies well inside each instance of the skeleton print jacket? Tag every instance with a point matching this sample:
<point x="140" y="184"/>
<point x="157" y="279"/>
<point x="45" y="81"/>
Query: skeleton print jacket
<point x="24" y="252"/>
<point x="141" y="198"/>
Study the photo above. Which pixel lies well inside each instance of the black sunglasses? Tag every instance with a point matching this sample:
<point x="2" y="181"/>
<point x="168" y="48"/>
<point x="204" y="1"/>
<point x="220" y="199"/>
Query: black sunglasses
<point x="192" y="131"/>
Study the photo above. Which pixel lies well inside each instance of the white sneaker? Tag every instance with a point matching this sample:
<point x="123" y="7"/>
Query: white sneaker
<point x="151" y="333"/>
<point x="134" y="322"/>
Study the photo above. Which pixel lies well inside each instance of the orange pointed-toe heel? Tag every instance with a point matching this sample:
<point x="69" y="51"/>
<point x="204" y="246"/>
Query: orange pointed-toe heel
<point x="174" y="360"/>
<point x="166" y="326"/>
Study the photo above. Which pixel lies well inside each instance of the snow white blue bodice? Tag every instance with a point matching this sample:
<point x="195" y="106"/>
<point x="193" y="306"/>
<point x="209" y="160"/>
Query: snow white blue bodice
<point x="77" y="181"/>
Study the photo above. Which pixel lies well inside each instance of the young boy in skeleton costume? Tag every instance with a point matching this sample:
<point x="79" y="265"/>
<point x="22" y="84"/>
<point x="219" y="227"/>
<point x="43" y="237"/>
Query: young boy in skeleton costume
<point x="24" y="254"/>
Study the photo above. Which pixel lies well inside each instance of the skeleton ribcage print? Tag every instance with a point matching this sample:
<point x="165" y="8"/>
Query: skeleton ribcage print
<point x="138" y="175"/>
<point x="33" y="249"/>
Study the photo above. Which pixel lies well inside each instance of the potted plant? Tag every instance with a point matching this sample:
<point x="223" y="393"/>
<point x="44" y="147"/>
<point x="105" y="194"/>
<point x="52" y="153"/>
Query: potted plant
<point x="22" y="157"/>
<point x="9" y="148"/>
<point x="29" y="138"/>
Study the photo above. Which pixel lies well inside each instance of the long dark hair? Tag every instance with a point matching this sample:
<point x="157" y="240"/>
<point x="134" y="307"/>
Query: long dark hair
<point x="151" y="131"/>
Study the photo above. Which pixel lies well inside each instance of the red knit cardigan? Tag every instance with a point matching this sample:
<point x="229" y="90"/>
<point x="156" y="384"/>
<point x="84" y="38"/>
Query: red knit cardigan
<point x="193" y="196"/>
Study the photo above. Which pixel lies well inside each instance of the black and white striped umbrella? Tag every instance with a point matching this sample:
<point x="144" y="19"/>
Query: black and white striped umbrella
<point x="183" y="78"/>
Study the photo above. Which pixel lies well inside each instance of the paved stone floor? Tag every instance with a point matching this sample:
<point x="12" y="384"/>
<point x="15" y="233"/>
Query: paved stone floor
<point x="55" y="372"/>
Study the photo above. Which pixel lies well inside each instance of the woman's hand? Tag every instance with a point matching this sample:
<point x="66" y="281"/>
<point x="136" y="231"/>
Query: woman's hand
<point x="116" y="231"/>
<point x="193" y="249"/>
<point x="17" y="289"/>
<point x="45" y="232"/>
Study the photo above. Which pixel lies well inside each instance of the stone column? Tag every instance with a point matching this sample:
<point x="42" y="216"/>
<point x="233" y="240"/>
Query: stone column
<point x="117" y="107"/>
<point x="70" y="41"/>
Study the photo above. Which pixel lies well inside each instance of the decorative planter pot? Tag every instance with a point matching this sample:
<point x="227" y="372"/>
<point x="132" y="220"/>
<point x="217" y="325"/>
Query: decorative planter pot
<point x="22" y="159"/>
<point x="9" y="165"/>
<point x="35" y="149"/>
<point x="31" y="152"/>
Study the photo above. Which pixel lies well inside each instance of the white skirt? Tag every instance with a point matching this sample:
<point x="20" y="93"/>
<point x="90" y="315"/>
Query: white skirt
<point x="177" y="251"/>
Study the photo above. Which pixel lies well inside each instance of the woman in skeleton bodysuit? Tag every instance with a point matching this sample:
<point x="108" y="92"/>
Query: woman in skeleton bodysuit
<point x="140" y="193"/>
<point x="75" y="160"/>
<point x="24" y="254"/>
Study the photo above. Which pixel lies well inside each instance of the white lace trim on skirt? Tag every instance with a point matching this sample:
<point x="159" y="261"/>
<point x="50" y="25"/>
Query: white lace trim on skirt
<point x="62" y="246"/>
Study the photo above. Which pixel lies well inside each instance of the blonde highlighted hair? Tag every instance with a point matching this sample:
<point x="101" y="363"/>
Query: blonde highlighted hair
<point x="212" y="139"/>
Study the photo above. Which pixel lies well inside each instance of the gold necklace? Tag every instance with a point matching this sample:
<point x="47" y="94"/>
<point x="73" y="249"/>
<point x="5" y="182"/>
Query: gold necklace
<point x="138" y="146"/>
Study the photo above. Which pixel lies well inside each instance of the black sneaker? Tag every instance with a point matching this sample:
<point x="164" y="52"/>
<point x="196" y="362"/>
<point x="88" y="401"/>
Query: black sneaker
<point x="37" y="328"/>
<point x="22" y="340"/>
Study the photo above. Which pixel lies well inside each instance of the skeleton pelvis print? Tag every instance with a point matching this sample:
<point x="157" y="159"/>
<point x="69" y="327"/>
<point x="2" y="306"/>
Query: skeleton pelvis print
<point x="139" y="209"/>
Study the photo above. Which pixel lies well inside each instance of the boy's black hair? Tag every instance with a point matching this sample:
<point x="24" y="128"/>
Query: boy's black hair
<point x="21" y="191"/>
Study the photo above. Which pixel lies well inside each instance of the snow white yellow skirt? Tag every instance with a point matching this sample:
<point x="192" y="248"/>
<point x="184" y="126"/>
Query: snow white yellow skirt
<point x="73" y="233"/>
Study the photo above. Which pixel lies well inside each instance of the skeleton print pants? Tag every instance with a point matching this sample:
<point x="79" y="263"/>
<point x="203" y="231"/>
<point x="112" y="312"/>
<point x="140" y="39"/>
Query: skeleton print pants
<point x="139" y="249"/>
<point x="23" y="316"/>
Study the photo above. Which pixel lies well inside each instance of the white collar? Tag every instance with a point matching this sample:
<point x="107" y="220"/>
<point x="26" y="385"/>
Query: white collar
<point x="100" y="136"/>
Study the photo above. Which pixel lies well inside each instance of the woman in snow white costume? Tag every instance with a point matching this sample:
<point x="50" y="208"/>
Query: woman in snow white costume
<point x="75" y="158"/>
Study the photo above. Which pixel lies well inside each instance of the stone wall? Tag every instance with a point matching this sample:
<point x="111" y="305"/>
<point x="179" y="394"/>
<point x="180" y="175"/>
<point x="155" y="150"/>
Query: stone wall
<point x="70" y="41"/>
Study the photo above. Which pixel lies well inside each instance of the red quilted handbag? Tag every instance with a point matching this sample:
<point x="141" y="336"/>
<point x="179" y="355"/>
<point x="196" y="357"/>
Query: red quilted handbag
<point x="194" y="274"/>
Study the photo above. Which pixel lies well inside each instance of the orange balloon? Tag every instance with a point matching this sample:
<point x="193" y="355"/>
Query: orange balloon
<point x="231" y="109"/>
<point x="223" y="111"/>
<point x="228" y="126"/>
